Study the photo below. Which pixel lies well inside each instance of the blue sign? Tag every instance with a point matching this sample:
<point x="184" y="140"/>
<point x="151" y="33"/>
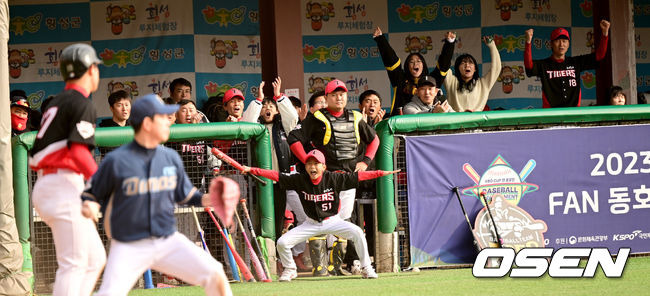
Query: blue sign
<point x="37" y="92"/>
<point x="49" y="23"/>
<point x="340" y="53"/>
<point x="145" y="56"/>
<point x="214" y="84"/>
<point x="577" y="187"/>
<point x="582" y="12"/>
<point x="511" y="42"/>
<point x="427" y="15"/>
<point x="226" y="18"/>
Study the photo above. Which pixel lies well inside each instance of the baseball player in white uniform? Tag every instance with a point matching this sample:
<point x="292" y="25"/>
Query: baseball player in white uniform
<point x="62" y="159"/>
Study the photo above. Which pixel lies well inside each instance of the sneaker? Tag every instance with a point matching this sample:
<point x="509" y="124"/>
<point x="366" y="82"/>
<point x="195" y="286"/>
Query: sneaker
<point x="356" y="267"/>
<point x="369" y="273"/>
<point x="289" y="274"/>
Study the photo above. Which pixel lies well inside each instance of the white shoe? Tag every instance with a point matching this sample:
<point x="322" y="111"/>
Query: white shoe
<point x="289" y="274"/>
<point x="369" y="273"/>
<point x="356" y="267"/>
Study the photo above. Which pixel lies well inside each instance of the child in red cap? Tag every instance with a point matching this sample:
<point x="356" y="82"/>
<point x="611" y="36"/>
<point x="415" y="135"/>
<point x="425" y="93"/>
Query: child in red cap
<point x="319" y="194"/>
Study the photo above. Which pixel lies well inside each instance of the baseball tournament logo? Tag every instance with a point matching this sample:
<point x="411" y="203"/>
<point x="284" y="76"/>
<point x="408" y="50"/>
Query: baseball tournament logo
<point x="504" y="188"/>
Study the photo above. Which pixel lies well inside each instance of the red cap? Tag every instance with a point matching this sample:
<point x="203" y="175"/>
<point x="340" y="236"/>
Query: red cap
<point x="334" y="85"/>
<point x="316" y="154"/>
<point x="558" y="33"/>
<point x="232" y="93"/>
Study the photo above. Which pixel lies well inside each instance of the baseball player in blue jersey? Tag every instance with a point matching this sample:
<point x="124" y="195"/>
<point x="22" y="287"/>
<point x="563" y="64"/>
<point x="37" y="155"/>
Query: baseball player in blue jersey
<point x="137" y="187"/>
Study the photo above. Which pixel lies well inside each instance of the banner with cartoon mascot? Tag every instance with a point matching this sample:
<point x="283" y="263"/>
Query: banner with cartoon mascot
<point x="338" y="43"/>
<point x="144" y="46"/>
<point x="544" y="190"/>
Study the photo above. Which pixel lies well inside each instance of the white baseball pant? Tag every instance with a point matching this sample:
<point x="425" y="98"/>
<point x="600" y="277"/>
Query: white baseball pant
<point x="347" y="203"/>
<point x="293" y="204"/>
<point x="79" y="250"/>
<point x="333" y="225"/>
<point x="174" y="255"/>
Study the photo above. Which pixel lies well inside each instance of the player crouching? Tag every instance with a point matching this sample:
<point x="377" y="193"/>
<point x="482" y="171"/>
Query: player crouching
<point x="137" y="186"/>
<point x="319" y="194"/>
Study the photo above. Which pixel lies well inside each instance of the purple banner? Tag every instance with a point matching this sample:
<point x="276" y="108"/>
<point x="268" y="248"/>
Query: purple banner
<point x="573" y="187"/>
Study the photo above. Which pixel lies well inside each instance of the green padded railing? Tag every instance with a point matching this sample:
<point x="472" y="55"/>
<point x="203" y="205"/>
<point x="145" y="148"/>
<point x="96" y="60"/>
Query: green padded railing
<point x="115" y="136"/>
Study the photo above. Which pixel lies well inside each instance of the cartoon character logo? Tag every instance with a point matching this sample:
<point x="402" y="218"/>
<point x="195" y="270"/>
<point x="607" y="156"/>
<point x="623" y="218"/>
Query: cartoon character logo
<point x="510" y="76"/>
<point x="118" y="15"/>
<point x="128" y="86"/>
<point x="214" y="89"/>
<point x="588" y="80"/>
<point x="415" y="44"/>
<point x="318" y="83"/>
<point x="221" y="50"/>
<point x="19" y="59"/>
<point x="319" y="12"/>
<point x="507" y="6"/>
<point x="586" y="7"/>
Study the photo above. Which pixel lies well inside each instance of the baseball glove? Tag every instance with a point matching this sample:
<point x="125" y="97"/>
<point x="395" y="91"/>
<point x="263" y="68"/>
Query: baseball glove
<point x="224" y="196"/>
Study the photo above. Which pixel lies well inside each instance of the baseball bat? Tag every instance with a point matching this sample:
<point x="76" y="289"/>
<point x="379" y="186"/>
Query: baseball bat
<point x="236" y="273"/>
<point x="256" y="244"/>
<point x="148" y="282"/>
<point x="231" y="260"/>
<point x="492" y="218"/>
<point x="469" y="224"/>
<point x="220" y="155"/>
<point x="256" y="261"/>
<point x="200" y="230"/>
<point x="240" y="262"/>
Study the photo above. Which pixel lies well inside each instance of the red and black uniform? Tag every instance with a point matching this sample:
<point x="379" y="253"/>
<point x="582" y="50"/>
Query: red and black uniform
<point x="320" y="197"/>
<point x="561" y="78"/>
<point x="338" y="135"/>
<point x="67" y="133"/>
<point x="62" y="158"/>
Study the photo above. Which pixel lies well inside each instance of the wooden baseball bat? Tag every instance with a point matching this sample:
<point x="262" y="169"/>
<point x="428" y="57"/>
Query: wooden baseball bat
<point x="200" y="230"/>
<point x="220" y="155"/>
<point x="259" y="271"/>
<point x="256" y="244"/>
<point x="240" y="262"/>
<point x="236" y="273"/>
<point x="496" y="231"/>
